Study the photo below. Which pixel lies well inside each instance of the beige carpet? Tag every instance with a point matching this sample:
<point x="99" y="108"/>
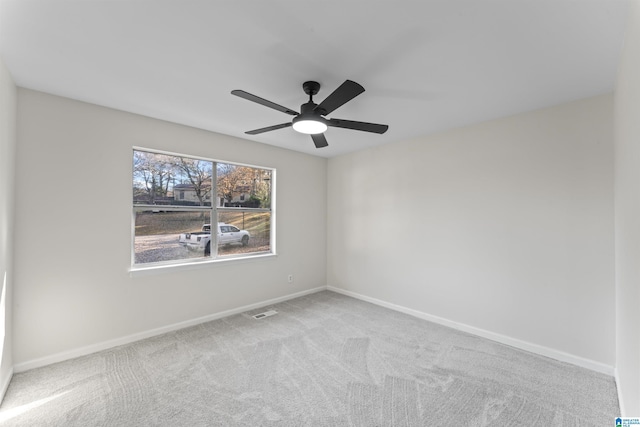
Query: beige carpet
<point x="323" y="360"/>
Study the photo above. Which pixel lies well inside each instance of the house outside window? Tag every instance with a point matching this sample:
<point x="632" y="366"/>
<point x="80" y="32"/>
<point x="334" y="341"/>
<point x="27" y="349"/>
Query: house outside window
<point x="173" y="215"/>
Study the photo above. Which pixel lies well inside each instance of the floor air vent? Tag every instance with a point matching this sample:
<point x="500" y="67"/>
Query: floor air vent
<point x="265" y="314"/>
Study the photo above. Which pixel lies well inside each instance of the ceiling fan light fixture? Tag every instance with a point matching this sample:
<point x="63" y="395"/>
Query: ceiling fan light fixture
<point x="310" y="120"/>
<point x="309" y="126"/>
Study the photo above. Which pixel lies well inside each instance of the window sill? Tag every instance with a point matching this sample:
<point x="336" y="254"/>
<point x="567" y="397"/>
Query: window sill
<point x="146" y="270"/>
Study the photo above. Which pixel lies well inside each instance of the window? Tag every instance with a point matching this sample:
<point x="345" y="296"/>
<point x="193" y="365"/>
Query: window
<point x="173" y="213"/>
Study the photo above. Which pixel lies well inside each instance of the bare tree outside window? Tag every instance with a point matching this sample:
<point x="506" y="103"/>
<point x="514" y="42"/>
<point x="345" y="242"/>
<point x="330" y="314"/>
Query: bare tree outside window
<point x="198" y="173"/>
<point x="152" y="175"/>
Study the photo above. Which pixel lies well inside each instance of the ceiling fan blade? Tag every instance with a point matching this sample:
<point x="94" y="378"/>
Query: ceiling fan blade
<point x="345" y="93"/>
<point x="268" y="128"/>
<point x="262" y="101"/>
<point x="364" y="126"/>
<point x="319" y="140"/>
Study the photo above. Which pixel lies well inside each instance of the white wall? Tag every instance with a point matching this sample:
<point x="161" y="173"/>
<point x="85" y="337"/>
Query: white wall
<point x="627" y="190"/>
<point x="8" y="101"/>
<point x="72" y="286"/>
<point x="505" y="226"/>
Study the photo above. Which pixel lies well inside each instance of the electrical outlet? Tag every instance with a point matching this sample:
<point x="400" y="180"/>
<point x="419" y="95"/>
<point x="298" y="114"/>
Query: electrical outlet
<point x="290" y="278"/>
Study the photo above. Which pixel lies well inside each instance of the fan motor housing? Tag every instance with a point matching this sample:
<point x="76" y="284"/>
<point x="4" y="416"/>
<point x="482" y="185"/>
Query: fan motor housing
<point x="307" y="108"/>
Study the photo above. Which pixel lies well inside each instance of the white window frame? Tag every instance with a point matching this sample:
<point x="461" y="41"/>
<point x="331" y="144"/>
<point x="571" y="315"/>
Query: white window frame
<point x="213" y="210"/>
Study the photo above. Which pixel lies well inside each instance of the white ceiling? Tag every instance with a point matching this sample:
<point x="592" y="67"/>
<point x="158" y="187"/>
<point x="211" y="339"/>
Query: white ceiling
<point x="427" y="66"/>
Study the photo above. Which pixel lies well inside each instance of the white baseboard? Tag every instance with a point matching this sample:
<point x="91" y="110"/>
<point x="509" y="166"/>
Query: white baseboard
<point x="523" y="345"/>
<point x="513" y="342"/>
<point x="83" y="351"/>
<point x="5" y="384"/>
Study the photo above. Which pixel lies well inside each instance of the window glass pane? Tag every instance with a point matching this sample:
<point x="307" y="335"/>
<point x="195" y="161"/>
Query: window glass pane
<point x="243" y="186"/>
<point x="169" y="236"/>
<point x="160" y="179"/>
<point x="249" y="232"/>
<point x="175" y="202"/>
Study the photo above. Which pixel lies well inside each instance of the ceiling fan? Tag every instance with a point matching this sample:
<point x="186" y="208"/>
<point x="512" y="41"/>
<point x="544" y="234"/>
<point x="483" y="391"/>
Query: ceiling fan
<point x="310" y="120"/>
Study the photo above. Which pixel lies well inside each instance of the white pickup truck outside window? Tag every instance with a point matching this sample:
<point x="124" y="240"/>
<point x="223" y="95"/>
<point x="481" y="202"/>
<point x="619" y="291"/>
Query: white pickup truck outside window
<point x="176" y="199"/>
